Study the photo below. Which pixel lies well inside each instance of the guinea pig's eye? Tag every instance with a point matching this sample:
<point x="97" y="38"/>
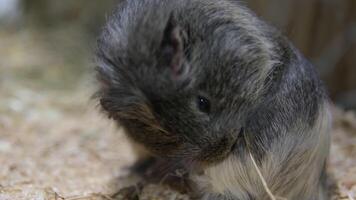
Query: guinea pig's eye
<point x="203" y="104"/>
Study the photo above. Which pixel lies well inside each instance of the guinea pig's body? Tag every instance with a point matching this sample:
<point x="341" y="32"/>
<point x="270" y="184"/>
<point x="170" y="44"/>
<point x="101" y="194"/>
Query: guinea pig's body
<point x="206" y="84"/>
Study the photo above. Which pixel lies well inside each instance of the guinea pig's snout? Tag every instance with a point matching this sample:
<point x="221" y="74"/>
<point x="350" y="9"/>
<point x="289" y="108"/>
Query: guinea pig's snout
<point x="216" y="149"/>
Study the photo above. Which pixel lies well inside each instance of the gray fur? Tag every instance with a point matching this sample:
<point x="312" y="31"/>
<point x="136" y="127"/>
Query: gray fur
<point x="155" y="57"/>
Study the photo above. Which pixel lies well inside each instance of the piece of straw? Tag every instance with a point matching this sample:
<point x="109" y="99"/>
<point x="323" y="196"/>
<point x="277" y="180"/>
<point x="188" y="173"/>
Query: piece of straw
<point x="271" y="196"/>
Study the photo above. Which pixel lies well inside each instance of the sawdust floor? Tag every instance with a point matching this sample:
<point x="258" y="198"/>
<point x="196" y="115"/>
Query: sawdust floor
<point x="54" y="144"/>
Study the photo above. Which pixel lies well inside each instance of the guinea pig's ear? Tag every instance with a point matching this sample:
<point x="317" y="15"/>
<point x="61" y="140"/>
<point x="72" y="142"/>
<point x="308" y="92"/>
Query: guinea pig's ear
<point x="171" y="53"/>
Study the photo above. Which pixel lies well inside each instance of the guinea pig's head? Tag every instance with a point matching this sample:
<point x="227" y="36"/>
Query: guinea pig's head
<point x="179" y="89"/>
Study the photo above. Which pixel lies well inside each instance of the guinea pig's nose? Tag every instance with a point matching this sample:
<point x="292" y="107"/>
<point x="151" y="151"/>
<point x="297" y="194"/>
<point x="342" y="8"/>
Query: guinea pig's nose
<point x="219" y="148"/>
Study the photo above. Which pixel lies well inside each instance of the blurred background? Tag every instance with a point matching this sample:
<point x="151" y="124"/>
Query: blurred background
<point x="49" y="138"/>
<point x="61" y="34"/>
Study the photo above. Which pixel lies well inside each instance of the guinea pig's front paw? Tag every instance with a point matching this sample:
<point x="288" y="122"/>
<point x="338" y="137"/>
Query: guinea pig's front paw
<point x="155" y="169"/>
<point x="129" y="193"/>
<point x="162" y="171"/>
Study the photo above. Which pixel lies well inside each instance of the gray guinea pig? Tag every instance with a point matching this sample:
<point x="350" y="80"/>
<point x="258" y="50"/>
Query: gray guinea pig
<point x="206" y="86"/>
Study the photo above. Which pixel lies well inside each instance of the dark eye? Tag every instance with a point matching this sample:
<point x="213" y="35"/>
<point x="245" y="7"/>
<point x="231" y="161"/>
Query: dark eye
<point x="203" y="104"/>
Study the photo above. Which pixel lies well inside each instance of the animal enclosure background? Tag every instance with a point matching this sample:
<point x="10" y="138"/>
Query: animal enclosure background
<point x="54" y="144"/>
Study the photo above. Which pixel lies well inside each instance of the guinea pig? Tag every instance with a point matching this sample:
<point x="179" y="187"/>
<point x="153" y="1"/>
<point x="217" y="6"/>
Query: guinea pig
<point x="207" y="86"/>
